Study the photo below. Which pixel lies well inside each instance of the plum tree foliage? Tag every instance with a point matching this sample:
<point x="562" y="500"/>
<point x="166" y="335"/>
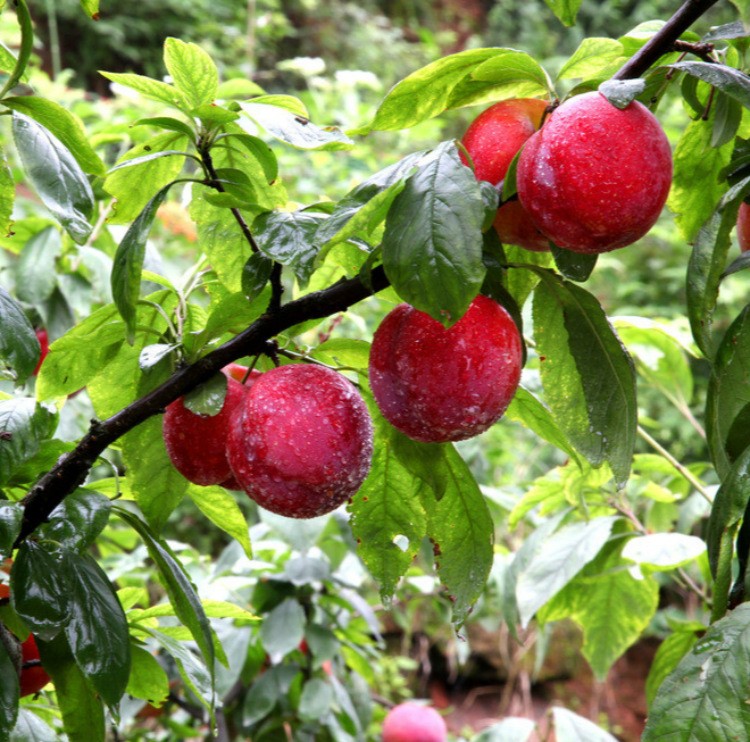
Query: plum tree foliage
<point x="306" y="432"/>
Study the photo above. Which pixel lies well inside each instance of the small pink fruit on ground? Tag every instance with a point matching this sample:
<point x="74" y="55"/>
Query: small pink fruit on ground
<point x="300" y="443"/>
<point x="196" y="444"/>
<point x="743" y="227"/>
<point x="595" y="177"/>
<point x="412" y="722"/>
<point x="493" y="140"/>
<point x="436" y="384"/>
<point x="43" y="338"/>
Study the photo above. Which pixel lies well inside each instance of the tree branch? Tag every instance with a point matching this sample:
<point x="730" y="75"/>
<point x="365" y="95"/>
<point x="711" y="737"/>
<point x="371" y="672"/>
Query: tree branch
<point x="663" y="40"/>
<point x="72" y="469"/>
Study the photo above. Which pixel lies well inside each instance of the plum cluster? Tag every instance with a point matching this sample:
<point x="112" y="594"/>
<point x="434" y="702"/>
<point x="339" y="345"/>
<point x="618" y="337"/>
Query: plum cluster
<point x="591" y="177"/>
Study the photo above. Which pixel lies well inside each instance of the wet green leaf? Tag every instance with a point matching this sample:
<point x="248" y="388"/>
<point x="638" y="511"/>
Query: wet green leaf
<point x="19" y="346"/>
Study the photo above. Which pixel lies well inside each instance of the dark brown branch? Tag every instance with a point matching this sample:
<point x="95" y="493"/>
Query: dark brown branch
<point x="662" y="41"/>
<point x="73" y="467"/>
<point x="702" y="50"/>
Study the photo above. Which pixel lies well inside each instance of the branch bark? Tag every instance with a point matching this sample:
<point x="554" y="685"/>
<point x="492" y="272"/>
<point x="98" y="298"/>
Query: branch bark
<point x="72" y="469"/>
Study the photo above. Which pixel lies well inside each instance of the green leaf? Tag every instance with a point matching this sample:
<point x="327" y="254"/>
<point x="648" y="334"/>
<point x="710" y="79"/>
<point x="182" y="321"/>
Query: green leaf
<point x="40" y="593"/>
<point x="288" y="238"/>
<point x="233" y="313"/>
<point x="595" y="600"/>
<point x="19" y="346"/>
<point x="25" y="425"/>
<point x="258" y="150"/>
<point x="663" y="551"/>
<point x="510" y="729"/>
<point x="208" y="399"/>
<point x="9" y="691"/>
<point x="255" y="275"/>
<point x="283" y="629"/>
<point x="134" y="187"/>
<point x="561" y="557"/>
<point x="591" y="57"/>
<point x="707" y="691"/>
<point x="565" y="10"/>
<point x="92" y="8"/>
<point x="667" y="657"/>
<point x="316" y="699"/>
<point x="530" y="412"/>
<point x="27" y="46"/>
<point x="522" y="276"/>
<point x="78" y="520"/>
<point x="573" y="265"/>
<point x="97" y="631"/>
<point x="588" y="377"/>
<point x="11" y="515"/>
<point x="734" y="83"/>
<point x="80" y="353"/>
<point x="621" y="93"/>
<point x="461" y="530"/>
<point x="152" y="355"/>
<point x="157" y="485"/>
<point x="147" y="680"/>
<point x="696" y="183"/>
<point x="293" y="129"/>
<point x="427" y="92"/>
<point x="570" y="727"/>
<point x="35" y="269"/>
<point x="7" y="195"/>
<point x="127" y="266"/>
<point x="154" y="89"/>
<point x="387" y="516"/>
<point x="30" y="728"/>
<point x="193" y="71"/>
<point x="80" y="705"/>
<point x="181" y="592"/>
<point x="728" y="397"/>
<point x="63" y="125"/>
<point x="222" y="510"/>
<point x="727" y="119"/>
<point x="168" y="123"/>
<point x="56" y="176"/>
<point x="432" y="245"/>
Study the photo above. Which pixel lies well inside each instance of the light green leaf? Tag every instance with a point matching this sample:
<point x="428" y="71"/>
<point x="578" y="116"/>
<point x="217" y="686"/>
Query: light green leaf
<point x="663" y="551"/>
<point x="668" y="656"/>
<point x="148" y="680"/>
<point x="432" y="245"/>
<point x="562" y="556"/>
<point x="283" y="629"/>
<point x="510" y="729"/>
<point x="30" y="728"/>
<point x="591" y="56"/>
<point x="222" y="509"/>
<point x="193" y="71"/>
<point x="56" y="176"/>
<point x="7" y="194"/>
<point x="154" y="89"/>
<point x="706" y="696"/>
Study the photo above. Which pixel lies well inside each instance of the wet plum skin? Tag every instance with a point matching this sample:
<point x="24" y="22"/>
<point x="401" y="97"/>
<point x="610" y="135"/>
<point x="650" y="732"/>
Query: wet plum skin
<point x="595" y="178"/>
<point x="436" y="384"/>
<point x="301" y="443"/>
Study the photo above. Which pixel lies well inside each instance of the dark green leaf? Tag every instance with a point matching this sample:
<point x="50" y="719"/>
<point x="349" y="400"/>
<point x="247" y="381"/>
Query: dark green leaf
<point x="432" y="246"/>
<point x="272" y="687"/>
<point x="77" y="521"/>
<point x="728" y="399"/>
<point x="734" y="83"/>
<point x="255" y="275"/>
<point x="316" y="700"/>
<point x="707" y="692"/>
<point x="293" y="129"/>
<point x="56" y="176"/>
<point x="40" y="593"/>
<point x="128" y="263"/>
<point x="588" y="377"/>
<point x="98" y="630"/>
<point x="19" y="346"/>
<point x="9" y="691"/>
<point x="63" y="125"/>
<point x="193" y="71"/>
<point x="157" y="485"/>
<point x="35" y="269"/>
<point x="460" y="528"/>
<point x="621" y="93"/>
<point x="288" y="238"/>
<point x="80" y="705"/>
<point x="283" y="629"/>
<point x="737" y="265"/>
<point x="11" y="515"/>
<point x="573" y="265"/>
<point x="667" y="657"/>
<point x="734" y="30"/>
<point x="182" y="595"/>
<point x="208" y="399"/>
<point x="24" y="424"/>
<point x="727" y="118"/>
<point x="565" y="10"/>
